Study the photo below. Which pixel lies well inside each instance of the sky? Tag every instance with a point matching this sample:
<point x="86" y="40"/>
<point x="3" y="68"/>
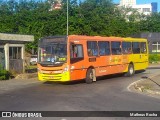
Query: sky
<point x="143" y="2"/>
<point x="138" y="2"/>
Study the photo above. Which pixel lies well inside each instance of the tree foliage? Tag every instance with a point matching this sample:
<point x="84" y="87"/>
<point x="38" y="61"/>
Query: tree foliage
<point x="89" y="17"/>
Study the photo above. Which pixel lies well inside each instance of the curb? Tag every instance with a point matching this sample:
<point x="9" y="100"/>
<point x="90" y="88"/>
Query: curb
<point x="27" y="76"/>
<point x="153" y="92"/>
<point x="143" y="89"/>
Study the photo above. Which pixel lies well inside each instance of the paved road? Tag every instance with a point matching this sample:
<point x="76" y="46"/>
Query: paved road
<point x="107" y="94"/>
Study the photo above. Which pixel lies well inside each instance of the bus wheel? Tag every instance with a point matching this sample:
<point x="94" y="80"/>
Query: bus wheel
<point x="89" y="76"/>
<point x="130" y="70"/>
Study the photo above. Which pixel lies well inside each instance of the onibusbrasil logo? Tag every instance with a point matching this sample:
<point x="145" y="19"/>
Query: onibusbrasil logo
<point x="21" y="114"/>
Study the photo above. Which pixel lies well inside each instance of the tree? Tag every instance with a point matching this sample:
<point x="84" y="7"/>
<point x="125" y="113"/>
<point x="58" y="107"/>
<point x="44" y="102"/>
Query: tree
<point x="151" y="23"/>
<point x="89" y="17"/>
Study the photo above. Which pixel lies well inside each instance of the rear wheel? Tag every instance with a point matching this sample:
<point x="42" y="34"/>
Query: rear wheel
<point x="131" y="70"/>
<point x="89" y="76"/>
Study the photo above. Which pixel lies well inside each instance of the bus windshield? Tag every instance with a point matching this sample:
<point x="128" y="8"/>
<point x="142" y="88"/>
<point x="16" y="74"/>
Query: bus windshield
<point x="53" y="53"/>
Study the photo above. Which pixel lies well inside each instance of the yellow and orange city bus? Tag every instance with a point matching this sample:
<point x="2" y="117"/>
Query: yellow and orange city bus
<point x="75" y="57"/>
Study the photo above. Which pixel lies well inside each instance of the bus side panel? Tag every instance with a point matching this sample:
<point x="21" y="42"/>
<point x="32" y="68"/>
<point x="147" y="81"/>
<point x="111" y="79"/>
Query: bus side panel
<point x="78" y="74"/>
<point x="139" y="60"/>
<point x="101" y="65"/>
<point x="115" y="64"/>
<point x="111" y="65"/>
<point x="125" y="62"/>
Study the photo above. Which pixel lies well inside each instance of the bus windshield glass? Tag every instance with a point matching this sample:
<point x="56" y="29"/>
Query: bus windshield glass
<point x="53" y="53"/>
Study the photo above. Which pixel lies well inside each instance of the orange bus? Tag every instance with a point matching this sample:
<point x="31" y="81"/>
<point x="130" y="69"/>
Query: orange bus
<point x="75" y="57"/>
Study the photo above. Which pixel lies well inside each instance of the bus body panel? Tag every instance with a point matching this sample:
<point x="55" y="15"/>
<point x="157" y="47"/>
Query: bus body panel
<point x="53" y="73"/>
<point x="103" y="65"/>
<point x="140" y="60"/>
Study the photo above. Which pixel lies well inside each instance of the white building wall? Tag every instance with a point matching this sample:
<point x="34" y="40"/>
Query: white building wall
<point x="6" y="49"/>
<point x="127" y="2"/>
<point x="144" y="8"/>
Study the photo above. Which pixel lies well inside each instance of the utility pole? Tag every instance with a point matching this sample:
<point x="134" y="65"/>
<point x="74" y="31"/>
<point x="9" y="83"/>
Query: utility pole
<point x="67" y="18"/>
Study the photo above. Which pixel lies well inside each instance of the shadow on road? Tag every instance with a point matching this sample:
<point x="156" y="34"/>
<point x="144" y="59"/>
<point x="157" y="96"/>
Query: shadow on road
<point x="153" y="67"/>
<point x="98" y="79"/>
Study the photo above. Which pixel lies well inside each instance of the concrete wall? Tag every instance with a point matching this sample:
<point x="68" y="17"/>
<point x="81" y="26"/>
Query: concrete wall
<point x="14" y="40"/>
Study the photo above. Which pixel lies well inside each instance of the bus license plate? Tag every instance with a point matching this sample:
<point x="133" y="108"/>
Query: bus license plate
<point x="51" y="77"/>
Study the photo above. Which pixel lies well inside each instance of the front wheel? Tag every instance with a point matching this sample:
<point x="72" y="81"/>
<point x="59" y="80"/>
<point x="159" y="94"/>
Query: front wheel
<point x="131" y="70"/>
<point x="89" y="76"/>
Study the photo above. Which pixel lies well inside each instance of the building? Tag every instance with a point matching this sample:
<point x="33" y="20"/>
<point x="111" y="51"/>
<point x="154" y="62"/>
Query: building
<point x="127" y="2"/>
<point x="145" y="9"/>
<point x="12" y="50"/>
<point x="154" y="7"/>
<point x="56" y="5"/>
<point x="153" y="40"/>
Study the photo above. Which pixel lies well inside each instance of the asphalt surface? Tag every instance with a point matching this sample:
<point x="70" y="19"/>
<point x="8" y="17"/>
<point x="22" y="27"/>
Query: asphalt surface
<point x="111" y="93"/>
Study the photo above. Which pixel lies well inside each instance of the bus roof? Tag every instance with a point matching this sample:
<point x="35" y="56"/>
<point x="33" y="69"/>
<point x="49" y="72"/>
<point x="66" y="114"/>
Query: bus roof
<point x="135" y="39"/>
<point x="94" y="37"/>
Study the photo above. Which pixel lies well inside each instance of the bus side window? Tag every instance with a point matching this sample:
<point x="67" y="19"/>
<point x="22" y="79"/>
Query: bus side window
<point x="136" y="47"/>
<point x="76" y="51"/>
<point x="126" y="48"/>
<point x="92" y="48"/>
<point x="143" y="47"/>
<point x="73" y="51"/>
<point x="90" y="52"/>
<point x="104" y="48"/>
<point x="116" y="47"/>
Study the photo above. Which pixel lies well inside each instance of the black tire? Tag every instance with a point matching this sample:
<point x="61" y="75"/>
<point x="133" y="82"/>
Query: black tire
<point x="89" y="76"/>
<point x="131" y="70"/>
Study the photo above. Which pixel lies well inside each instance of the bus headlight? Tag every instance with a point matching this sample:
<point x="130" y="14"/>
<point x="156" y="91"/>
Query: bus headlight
<point x="65" y="69"/>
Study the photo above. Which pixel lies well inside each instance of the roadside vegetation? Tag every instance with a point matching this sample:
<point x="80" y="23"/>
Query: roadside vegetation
<point x="86" y="17"/>
<point x="4" y="75"/>
<point x="31" y="69"/>
<point x="154" y="58"/>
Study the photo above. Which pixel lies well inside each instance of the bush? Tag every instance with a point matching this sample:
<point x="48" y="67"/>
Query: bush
<point x="154" y="58"/>
<point x="4" y="75"/>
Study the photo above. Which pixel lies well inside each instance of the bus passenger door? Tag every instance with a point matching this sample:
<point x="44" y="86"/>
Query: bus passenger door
<point x="76" y="61"/>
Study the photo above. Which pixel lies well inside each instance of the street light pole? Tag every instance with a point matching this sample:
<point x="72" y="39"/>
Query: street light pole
<point x="67" y="18"/>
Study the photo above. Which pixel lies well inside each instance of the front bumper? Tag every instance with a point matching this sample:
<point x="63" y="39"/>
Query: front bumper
<point x="62" y="77"/>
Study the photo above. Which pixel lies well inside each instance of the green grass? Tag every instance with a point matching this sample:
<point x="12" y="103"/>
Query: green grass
<point x="154" y="58"/>
<point x="4" y="75"/>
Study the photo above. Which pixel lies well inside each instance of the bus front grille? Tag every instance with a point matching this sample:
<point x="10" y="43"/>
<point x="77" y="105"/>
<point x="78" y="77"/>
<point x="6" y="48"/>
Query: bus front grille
<point x="51" y="77"/>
